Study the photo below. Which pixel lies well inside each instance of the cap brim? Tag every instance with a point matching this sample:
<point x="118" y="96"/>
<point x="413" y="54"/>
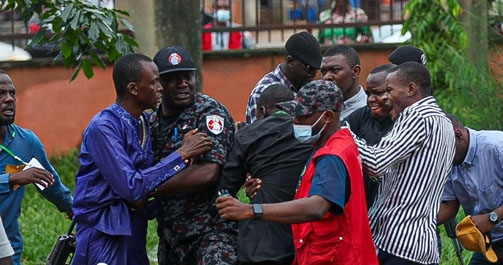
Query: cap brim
<point x="288" y="106"/>
<point x="178" y="69"/>
<point x="315" y="63"/>
<point x="491" y="255"/>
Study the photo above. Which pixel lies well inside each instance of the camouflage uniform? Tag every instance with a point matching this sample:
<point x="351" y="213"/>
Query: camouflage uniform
<point x="189" y="227"/>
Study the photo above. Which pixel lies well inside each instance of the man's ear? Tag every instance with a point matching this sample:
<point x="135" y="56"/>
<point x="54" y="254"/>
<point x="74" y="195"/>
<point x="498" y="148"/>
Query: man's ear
<point x="289" y="59"/>
<point x="458" y="133"/>
<point x="329" y="116"/>
<point x="357" y="69"/>
<point x="412" y="89"/>
<point x="132" y="88"/>
<point x="263" y="110"/>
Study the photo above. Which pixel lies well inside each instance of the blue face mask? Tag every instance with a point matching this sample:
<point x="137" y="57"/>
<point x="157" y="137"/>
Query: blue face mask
<point x="223" y="15"/>
<point x="304" y="133"/>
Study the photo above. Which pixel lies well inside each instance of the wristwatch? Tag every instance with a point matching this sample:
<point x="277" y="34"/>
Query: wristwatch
<point x="493" y="217"/>
<point x="258" y="211"/>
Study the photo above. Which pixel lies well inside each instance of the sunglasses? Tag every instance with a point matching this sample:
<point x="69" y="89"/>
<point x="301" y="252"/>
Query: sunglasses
<point x="309" y="69"/>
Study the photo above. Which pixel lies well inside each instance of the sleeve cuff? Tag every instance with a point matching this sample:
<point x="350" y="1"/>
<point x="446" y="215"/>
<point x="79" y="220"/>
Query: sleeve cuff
<point x="171" y="165"/>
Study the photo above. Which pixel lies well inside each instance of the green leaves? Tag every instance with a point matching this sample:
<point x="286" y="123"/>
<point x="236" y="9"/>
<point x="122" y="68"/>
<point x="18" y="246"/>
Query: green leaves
<point x="461" y="88"/>
<point x="84" y="32"/>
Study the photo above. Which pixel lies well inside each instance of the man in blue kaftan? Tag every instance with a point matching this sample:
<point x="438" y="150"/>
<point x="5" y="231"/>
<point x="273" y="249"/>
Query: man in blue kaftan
<point x="117" y="171"/>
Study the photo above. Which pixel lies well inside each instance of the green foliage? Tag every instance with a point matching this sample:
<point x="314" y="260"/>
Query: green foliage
<point x="495" y="18"/>
<point x="41" y="222"/>
<point x="67" y="166"/>
<point x="81" y="29"/>
<point x="470" y="93"/>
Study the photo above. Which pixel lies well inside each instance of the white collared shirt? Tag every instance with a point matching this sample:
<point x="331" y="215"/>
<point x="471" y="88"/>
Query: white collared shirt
<point x="353" y="103"/>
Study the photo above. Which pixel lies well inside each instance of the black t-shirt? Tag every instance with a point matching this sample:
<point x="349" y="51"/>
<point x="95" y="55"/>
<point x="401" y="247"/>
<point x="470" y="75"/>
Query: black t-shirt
<point x="268" y="150"/>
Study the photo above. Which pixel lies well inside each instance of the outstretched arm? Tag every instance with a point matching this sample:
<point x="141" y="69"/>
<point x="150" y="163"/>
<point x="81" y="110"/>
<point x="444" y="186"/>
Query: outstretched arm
<point x="291" y="212"/>
<point x="195" y="178"/>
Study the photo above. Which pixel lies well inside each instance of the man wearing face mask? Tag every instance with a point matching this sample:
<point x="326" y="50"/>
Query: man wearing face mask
<point x="268" y="150"/>
<point x="329" y="208"/>
<point x="217" y="41"/>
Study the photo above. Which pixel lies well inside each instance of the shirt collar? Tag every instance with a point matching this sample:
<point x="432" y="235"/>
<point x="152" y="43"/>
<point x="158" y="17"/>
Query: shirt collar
<point x="358" y="97"/>
<point x="472" y="147"/>
<point x="279" y="72"/>
<point x="125" y="115"/>
<point x="281" y="112"/>
<point x="9" y="134"/>
<point x="425" y="100"/>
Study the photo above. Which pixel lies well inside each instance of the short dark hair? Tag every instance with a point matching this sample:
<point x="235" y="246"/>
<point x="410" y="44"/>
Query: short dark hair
<point x="273" y="94"/>
<point x="381" y="68"/>
<point x="126" y="70"/>
<point x="457" y="124"/>
<point x="345" y="50"/>
<point x="414" y="72"/>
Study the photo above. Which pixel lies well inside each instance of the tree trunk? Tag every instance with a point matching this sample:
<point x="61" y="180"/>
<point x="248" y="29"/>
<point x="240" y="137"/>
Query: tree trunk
<point x="474" y="20"/>
<point x="178" y="22"/>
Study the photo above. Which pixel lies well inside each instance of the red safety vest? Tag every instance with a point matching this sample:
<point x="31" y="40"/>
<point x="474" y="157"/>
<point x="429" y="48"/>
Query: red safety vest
<point x="337" y="239"/>
<point x="235" y="39"/>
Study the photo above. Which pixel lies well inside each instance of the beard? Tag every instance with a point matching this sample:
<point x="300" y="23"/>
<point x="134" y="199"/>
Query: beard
<point x="5" y="122"/>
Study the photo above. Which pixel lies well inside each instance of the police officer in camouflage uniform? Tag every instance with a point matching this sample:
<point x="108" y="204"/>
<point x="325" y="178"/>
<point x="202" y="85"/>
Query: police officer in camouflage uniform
<point x="189" y="228"/>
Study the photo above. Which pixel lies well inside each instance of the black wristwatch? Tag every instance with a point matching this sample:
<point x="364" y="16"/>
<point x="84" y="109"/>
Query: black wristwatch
<point x="258" y="211"/>
<point x="493" y="217"/>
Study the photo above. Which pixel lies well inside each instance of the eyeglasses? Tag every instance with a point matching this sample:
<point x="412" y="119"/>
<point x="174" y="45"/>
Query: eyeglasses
<point x="309" y="69"/>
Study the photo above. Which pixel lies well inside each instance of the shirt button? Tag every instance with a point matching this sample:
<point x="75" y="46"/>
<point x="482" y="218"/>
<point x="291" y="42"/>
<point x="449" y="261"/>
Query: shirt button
<point x="301" y="241"/>
<point x="340" y="238"/>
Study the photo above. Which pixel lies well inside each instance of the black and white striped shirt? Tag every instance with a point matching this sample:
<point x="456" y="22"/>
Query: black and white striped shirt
<point x="412" y="162"/>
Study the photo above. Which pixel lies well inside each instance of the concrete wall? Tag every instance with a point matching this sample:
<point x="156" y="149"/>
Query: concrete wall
<point x="58" y="110"/>
<point x="143" y="20"/>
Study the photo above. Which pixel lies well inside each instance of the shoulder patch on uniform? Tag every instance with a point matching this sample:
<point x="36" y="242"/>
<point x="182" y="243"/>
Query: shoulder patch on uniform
<point x="215" y="124"/>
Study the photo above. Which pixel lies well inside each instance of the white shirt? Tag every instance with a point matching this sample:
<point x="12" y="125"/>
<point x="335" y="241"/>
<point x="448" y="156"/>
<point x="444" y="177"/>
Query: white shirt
<point x="413" y="162"/>
<point x="220" y="41"/>
<point x="353" y="103"/>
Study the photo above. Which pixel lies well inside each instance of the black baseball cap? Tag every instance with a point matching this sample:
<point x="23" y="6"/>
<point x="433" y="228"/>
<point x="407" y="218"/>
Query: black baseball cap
<point x="304" y="46"/>
<point x="407" y="53"/>
<point x="172" y="59"/>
